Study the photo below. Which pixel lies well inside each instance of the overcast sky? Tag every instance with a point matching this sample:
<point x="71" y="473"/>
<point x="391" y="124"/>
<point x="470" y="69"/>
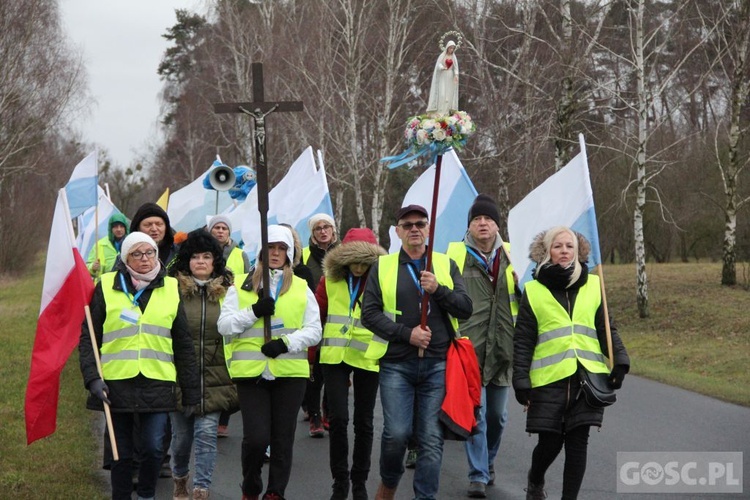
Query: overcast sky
<point x="121" y="45"/>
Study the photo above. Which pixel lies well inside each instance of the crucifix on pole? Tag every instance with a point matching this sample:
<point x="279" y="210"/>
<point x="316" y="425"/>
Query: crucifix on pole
<point x="258" y="109"/>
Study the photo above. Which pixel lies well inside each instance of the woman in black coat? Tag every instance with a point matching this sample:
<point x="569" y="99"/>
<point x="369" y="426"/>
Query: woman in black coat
<point x="560" y="330"/>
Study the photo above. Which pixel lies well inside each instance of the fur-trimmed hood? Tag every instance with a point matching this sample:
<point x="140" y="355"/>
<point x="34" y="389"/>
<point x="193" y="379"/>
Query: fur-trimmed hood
<point x="216" y="287"/>
<point x="340" y="257"/>
<point x="537" y="250"/>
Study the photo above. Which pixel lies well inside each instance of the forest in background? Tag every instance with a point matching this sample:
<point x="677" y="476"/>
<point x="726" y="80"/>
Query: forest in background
<point x="658" y="88"/>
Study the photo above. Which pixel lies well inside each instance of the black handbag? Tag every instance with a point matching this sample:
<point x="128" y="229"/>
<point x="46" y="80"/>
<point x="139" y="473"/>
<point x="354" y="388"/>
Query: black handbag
<point x="596" y="389"/>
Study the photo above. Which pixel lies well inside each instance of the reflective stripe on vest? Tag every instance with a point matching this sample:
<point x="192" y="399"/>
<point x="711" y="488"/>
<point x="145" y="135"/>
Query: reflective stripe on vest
<point x="563" y="342"/>
<point x="457" y="252"/>
<point x="244" y="358"/>
<point x="145" y="347"/>
<point x="235" y="262"/>
<point x="347" y="346"/>
<point x="387" y="277"/>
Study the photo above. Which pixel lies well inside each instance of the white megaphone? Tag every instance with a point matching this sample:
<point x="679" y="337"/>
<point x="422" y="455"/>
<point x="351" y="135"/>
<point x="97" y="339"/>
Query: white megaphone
<point x="222" y="178"/>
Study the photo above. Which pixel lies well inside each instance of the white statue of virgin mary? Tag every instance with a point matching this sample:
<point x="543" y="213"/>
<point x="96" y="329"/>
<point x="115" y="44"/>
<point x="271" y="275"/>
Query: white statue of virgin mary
<point x="444" y="88"/>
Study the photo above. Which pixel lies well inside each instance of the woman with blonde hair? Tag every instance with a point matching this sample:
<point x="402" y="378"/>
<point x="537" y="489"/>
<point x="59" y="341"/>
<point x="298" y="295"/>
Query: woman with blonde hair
<point x="561" y="331"/>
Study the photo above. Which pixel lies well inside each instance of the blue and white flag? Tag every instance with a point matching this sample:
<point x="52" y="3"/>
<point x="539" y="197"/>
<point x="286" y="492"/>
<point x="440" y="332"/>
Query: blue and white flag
<point x="188" y="207"/>
<point x="81" y="188"/>
<point x="88" y="230"/>
<point x="455" y="197"/>
<point x="564" y="199"/>
<point x="302" y="192"/>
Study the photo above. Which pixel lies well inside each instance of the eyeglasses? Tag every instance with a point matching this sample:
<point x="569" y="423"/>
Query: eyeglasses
<point x="320" y="229"/>
<point x="139" y="255"/>
<point x="408" y="225"/>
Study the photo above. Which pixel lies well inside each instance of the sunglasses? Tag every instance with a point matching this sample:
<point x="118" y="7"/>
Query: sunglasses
<point x="408" y="225"/>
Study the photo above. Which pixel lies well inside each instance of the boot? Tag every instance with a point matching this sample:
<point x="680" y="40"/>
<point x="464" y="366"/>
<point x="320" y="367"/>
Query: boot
<point x="340" y="489"/>
<point x="535" y="491"/>
<point x="385" y="493"/>
<point x="200" y="494"/>
<point x="359" y="490"/>
<point x="180" y="488"/>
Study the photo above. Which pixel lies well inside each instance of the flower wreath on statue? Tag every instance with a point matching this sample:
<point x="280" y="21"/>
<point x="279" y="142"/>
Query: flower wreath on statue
<point x="431" y="135"/>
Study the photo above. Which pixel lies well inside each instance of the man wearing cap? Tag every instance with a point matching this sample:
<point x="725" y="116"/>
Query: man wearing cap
<point x="412" y="357"/>
<point x="323" y="238"/>
<point x="151" y="219"/>
<point x="482" y="258"/>
<point x="220" y="228"/>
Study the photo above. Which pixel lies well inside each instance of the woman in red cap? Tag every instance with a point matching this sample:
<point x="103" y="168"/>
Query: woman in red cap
<point x="342" y="355"/>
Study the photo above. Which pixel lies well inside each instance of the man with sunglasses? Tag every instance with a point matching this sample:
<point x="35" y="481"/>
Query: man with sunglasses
<point x="412" y="356"/>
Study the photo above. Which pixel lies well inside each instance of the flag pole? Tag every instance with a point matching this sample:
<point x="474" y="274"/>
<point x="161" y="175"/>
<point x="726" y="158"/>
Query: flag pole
<point x="96" y="215"/>
<point x="600" y="271"/>
<point x="107" y="413"/>
<point x="428" y="265"/>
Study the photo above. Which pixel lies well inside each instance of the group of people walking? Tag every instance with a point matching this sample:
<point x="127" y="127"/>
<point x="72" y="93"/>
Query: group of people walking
<point x="185" y="334"/>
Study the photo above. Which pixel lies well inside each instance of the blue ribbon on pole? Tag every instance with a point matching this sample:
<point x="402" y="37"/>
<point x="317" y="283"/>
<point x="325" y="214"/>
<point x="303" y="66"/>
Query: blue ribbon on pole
<point x="431" y="151"/>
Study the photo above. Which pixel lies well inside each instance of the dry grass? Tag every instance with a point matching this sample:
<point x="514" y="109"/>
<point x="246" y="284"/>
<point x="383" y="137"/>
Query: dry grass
<point x="698" y="333"/>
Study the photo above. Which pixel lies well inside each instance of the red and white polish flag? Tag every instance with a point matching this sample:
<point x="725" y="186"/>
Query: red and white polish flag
<point x="67" y="289"/>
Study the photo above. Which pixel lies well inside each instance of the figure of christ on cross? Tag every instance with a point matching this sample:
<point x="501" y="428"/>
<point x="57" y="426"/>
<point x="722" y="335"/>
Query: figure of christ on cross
<point x="258" y="109"/>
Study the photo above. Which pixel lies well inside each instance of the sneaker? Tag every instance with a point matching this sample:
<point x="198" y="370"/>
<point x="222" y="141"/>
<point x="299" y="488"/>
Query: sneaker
<point x="272" y="496"/>
<point x="316" y="427"/>
<point x="477" y="490"/>
<point x="411" y="458"/>
<point x="222" y="431"/>
<point x="492" y="475"/>
<point x="324" y="421"/>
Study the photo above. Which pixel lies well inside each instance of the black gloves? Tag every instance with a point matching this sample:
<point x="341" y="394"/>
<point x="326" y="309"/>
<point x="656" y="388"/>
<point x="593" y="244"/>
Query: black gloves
<point x="265" y="306"/>
<point x="523" y="396"/>
<point x="190" y="410"/>
<point x="274" y="348"/>
<point x="99" y="389"/>
<point x="617" y="376"/>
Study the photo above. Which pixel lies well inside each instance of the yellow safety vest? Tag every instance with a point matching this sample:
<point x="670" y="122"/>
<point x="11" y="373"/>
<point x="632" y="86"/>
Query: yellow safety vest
<point x="305" y="255"/>
<point x="457" y="251"/>
<point x="235" y="262"/>
<point x="242" y="352"/>
<point x="146" y="346"/>
<point x="564" y="341"/>
<point x="388" y="277"/>
<point x="344" y="337"/>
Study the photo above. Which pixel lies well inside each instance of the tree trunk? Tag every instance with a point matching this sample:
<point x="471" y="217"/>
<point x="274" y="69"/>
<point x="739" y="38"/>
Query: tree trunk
<point x="642" y="182"/>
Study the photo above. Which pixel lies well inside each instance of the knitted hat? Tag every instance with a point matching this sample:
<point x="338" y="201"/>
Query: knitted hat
<point x="144" y="212"/>
<point x="314" y="219"/>
<point x="404" y="211"/>
<point x="360" y="234"/>
<point x="279" y="234"/>
<point x="134" y="239"/>
<point x="199" y="241"/>
<point x="219" y="218"/>
<point x="484" y="205"/>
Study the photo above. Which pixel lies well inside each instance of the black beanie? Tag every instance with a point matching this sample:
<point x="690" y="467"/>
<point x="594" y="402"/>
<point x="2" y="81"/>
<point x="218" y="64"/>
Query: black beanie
<point x="484" y="205"/>
<point x="144" y="212"/>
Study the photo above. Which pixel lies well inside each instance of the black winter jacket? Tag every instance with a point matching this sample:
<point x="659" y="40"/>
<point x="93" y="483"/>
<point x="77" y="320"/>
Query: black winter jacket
<point x="557" y="407"/>
<point x="140" y="394"/>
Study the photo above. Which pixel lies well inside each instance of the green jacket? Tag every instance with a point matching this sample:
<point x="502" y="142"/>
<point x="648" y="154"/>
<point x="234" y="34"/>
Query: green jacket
<point x="202" y="309"/>
<point x="491" y="325"/>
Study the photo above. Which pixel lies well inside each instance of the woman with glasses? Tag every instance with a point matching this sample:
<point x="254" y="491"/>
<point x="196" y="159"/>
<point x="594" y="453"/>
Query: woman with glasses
<point x="143" y="338"/>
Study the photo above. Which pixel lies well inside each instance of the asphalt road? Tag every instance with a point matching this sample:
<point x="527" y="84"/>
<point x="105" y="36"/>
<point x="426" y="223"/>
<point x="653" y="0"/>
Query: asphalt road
<point x="647" y="417"/>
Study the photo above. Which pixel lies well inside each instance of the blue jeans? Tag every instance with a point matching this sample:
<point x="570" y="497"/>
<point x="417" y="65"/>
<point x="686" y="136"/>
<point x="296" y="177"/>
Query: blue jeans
<point x="481" y="448"/>
<point x="201" y="430"/>
<point x="153" y="427"/>
<point x="400" y="383"/>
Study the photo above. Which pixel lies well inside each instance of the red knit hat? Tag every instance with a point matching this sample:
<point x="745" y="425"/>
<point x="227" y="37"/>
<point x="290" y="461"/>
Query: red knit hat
<point x="360" y="234"/>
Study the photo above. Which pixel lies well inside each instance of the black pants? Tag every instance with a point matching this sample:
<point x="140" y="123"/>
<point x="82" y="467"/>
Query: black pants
<point x="269" y="416"/>
<point x="365" y="386"/>
<point x="314" y="386"/>
<point x="550" y="443"/>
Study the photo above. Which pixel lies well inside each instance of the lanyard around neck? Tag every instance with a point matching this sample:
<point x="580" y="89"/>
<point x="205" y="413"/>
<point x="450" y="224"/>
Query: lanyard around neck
<point x="487" y="264"/>
<point x="133" y="298"/>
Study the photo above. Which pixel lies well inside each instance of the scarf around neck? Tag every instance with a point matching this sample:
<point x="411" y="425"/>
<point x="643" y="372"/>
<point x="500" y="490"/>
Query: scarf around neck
<point x="140" y="280"/>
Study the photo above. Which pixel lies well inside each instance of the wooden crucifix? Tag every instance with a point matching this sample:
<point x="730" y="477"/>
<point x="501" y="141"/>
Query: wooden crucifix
<point x="258" y="109"/>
